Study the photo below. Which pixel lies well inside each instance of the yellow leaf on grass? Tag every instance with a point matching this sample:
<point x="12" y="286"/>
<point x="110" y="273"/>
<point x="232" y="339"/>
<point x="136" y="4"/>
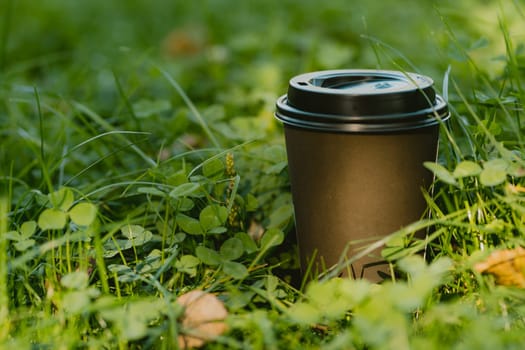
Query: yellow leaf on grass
<point x="507" y="266"/>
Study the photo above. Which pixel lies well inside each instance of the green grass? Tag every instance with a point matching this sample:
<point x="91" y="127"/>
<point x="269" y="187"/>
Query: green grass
<point x="134" y="168"/>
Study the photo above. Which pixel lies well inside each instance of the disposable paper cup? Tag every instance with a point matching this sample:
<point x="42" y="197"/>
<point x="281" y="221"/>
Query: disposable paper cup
<point x="356" y="142"/>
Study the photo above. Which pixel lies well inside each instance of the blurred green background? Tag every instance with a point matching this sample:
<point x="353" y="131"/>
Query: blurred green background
<point x="232" y="58"/>
<point x="236" y="42"/>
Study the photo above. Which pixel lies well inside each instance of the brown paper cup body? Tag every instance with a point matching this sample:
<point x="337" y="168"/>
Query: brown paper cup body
<point x="351" y="190"/>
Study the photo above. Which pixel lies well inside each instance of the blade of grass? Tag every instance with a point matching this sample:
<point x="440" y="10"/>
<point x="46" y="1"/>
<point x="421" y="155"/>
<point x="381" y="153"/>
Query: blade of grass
<point x="100" y="121"/>
<point x="373" y="45"/>
<point x="5" y="206"/>
<point x="487" y="83"/>
<point x="452" y="219"/>
<point x="100" y="263"/>
<point x="497" y="145"/>
<point x="376" y="42"/>
<point x="513" y="66"/>
<point x="100" y="160"/>
<point x="191" y="106"/>
<point x="122" y="132"/>
<point x="127" y="184"/>
<point x="126" y="101"/>
<point x="42" y="155"/>
<point x="379" y="43"/>
<point x="517" y="6"/>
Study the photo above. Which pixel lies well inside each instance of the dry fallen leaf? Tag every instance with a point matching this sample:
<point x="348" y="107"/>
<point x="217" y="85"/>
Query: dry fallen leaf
<point x="183" y="42"/>
<point x="256" y="230"/>
<point x="203" y="318"/>
<point x="507" y="266"/>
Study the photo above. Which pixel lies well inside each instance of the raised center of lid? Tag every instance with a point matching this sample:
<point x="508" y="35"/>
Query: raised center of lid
<point x="365" y="85"/>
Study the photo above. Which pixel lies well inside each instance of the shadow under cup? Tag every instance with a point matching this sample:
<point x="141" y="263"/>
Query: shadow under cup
<point x="356" y="141"/>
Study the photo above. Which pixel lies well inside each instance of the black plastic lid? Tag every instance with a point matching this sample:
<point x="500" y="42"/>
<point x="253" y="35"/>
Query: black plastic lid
<point x="361" y="101"/>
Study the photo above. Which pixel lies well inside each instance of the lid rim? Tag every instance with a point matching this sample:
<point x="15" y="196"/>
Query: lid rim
<point x="364" y="128"/>
<point x="362" y="124"/>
